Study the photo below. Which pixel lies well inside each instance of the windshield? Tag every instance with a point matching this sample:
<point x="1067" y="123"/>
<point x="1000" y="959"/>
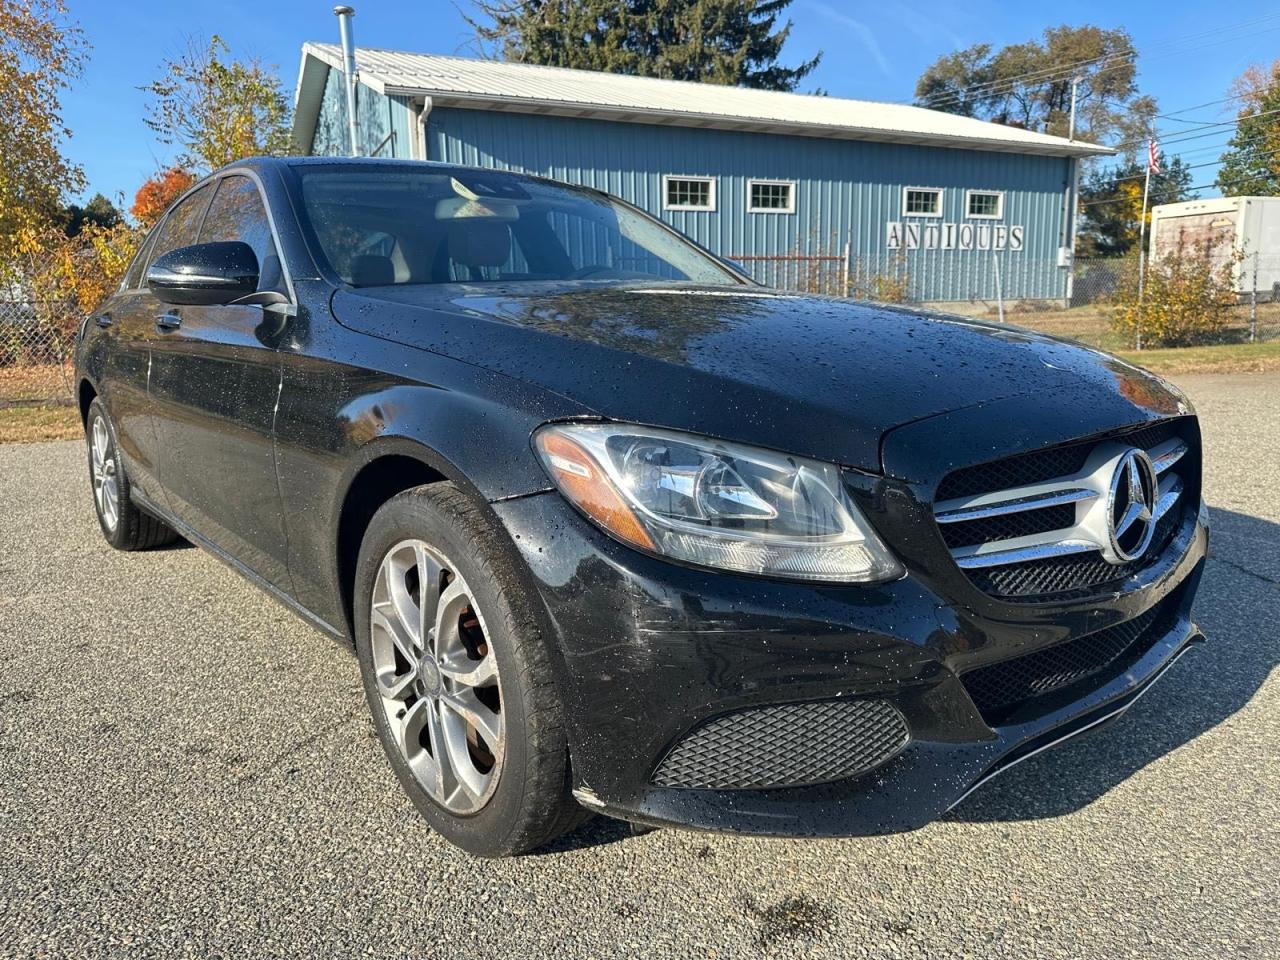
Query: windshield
<point x="378" y="227"/>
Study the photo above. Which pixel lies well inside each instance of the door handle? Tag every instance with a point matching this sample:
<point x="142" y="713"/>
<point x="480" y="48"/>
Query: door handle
<point x="168" y="321"/>
<point x="104" y="320"/>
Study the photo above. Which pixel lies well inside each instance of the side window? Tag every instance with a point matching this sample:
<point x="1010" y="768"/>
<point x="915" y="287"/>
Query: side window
<point x="135" y="278"/>
<point x="180" y="226"/>
<point x="237" y="213"/>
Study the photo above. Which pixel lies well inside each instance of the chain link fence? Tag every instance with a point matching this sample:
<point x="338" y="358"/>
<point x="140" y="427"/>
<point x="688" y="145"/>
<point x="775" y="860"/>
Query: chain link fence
<point x="975" y="277"/>
<point x="36" y="340"/>
<point x="886" y="279"/>
<point x="824" y="275"/>
<point x="37" y="335"/>
<point x="1097" y="280"/>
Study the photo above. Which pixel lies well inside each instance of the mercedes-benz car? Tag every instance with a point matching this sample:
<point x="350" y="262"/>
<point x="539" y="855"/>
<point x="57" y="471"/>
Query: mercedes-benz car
<point x="613" y="529"/>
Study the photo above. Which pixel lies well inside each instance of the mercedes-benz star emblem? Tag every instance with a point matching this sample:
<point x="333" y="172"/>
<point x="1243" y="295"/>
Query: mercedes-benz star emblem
<point x="1134" y="489"/>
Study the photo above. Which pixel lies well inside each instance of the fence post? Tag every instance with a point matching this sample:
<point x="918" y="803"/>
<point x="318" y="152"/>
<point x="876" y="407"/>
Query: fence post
<point x="995" y="259"/>
<point x="1253" y="302"/>
<point x="845" y="269"/>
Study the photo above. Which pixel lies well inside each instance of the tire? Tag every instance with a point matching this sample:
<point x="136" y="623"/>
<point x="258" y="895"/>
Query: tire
<point x="124" y="524"/>
<point x="471" y="720"/>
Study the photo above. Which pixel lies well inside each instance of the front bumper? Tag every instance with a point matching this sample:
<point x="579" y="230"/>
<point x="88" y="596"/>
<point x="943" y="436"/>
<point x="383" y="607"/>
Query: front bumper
<point x="648" y="650"/>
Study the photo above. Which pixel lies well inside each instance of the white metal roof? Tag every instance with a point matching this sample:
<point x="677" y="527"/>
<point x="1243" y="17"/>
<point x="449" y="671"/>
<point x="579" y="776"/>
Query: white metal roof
<point x="525" y="88"/>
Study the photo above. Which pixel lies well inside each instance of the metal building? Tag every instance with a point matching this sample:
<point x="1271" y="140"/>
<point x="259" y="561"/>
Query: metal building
<point x="806" y="192"/>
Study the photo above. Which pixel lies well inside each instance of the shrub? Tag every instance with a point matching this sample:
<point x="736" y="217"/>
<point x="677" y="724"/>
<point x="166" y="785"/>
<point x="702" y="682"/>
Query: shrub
<point x="1188" y="298"/>
<point x="883" y="283"/>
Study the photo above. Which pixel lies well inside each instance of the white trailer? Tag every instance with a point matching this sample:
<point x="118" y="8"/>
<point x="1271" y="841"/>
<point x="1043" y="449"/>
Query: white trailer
<point x="1223" y="228"/>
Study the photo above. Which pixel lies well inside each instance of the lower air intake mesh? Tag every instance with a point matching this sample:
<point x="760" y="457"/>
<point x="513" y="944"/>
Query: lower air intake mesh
<point x="1000" y="688"/>
<point x="786" y="745"/>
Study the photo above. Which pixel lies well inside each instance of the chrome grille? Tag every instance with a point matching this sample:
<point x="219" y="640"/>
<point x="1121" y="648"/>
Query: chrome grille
<point x="1040" y="523"/>
<point x="1009" y="525"/>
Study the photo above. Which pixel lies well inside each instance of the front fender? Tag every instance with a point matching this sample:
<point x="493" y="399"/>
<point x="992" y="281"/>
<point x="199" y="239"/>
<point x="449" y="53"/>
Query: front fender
<point x="385" y="400"/>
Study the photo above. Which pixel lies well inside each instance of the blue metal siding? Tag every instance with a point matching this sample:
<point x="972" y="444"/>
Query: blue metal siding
<point x="378" y="117"/>
<point x="846" y="191"/>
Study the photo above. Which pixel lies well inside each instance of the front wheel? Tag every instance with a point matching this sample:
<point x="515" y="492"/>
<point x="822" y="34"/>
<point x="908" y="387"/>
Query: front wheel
<point x="458" y="676"/>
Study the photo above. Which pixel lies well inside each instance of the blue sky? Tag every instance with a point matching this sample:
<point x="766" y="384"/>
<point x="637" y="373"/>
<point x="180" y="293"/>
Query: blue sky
<point x="872" y="51"/>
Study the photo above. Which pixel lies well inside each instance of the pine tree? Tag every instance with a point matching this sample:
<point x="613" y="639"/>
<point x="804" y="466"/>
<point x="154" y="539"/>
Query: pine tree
<point x="731" y="42"/>
<point x="98" y="212"/>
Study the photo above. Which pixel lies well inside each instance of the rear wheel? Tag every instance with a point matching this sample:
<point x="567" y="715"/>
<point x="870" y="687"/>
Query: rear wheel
<point x="458" y="677"/>
<point x="125" y="525"/>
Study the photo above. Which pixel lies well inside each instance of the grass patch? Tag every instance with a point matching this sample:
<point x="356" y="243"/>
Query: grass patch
<point x="32" y="424"/>
<point x="39" y="381"/>
<point x="1226" y="358"/>
<point x="1091" y="325"/>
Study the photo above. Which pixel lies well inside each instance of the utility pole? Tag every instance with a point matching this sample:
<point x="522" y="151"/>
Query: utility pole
<point x="1152" y="160"/>
<point x="1068" y="249"/>
<point x="1071" y="124"/>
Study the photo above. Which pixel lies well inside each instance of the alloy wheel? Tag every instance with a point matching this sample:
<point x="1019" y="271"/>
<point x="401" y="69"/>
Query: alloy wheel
<point x="106" y="492"/>
<point x="438" y="676"/>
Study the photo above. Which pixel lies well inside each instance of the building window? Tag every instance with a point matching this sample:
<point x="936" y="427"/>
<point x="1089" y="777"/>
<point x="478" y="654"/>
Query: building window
<point x="688" y="193"/>
<point x="921" y="202"/>
<point x="771" y="196"/>
<point x="984" y="204"/>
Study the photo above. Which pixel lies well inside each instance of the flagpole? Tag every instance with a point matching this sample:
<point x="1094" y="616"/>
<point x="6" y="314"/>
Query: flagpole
<point x="1142" y="239"/>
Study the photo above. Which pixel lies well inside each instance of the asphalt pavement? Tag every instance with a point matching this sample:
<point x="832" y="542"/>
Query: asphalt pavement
<point x="187" y="769"/>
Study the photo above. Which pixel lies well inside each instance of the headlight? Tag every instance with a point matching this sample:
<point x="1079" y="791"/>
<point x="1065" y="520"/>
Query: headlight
<point x="715" y="504"/>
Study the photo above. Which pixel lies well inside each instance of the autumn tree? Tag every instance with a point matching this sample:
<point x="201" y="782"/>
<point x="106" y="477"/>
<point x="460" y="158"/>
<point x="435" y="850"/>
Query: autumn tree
<point x="1111" y="203"/>
<point x="216" y="109"/>
<point x="156" y="194"/>
<point x="1028" y="84"/>
<point x="732" y="42"/>
<point x="76" y="275"/>
<point x="41" y="51"/>
<point x="1251" y="164"/>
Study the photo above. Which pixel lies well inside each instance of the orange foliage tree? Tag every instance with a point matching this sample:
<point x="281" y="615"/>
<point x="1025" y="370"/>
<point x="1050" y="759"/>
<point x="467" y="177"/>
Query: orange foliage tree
<point x="155" y="195"/>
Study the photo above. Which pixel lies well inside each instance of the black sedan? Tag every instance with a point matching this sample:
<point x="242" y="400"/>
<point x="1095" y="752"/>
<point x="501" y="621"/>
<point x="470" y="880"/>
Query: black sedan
<point x="613" y="529"/>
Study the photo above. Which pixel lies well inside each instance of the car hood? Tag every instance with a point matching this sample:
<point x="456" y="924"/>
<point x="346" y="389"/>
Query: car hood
<point x="813" y="376"/>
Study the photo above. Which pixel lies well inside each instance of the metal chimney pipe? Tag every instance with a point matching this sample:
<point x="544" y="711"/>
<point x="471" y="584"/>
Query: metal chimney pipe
<point x="344" y="15"/>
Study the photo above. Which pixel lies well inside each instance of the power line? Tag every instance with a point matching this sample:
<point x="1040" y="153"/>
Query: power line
<point x="1246" y="142"/>
<point x="1200" y="186"/>
<point x="1191" y="166"/>
<point x="1173" y="114"/>
<point x="1178" y="138"/>
<point x="1063" y="72"/>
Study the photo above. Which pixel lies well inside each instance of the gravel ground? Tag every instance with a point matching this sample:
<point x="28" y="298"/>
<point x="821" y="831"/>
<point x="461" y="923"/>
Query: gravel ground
<point x="185" y="768"/>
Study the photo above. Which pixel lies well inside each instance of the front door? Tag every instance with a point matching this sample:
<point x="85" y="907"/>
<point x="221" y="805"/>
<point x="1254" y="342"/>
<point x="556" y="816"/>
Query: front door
<point x="215" y="383"/>
<point x="129" y="320"/>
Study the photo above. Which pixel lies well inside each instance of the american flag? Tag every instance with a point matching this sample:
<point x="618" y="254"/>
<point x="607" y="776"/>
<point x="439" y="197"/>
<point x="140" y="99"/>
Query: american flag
<point x="1153" y="156"/>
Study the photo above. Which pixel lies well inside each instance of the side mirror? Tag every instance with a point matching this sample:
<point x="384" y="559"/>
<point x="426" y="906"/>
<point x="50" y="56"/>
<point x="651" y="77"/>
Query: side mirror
<point x="204" y="274"/>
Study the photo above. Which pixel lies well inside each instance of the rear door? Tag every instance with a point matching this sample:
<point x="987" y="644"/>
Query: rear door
<point x="215" y="383"/>
<point x="129" y="320"/>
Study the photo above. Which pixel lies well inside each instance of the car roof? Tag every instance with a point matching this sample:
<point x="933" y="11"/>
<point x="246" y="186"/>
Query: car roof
<point x="266" y="162"/>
